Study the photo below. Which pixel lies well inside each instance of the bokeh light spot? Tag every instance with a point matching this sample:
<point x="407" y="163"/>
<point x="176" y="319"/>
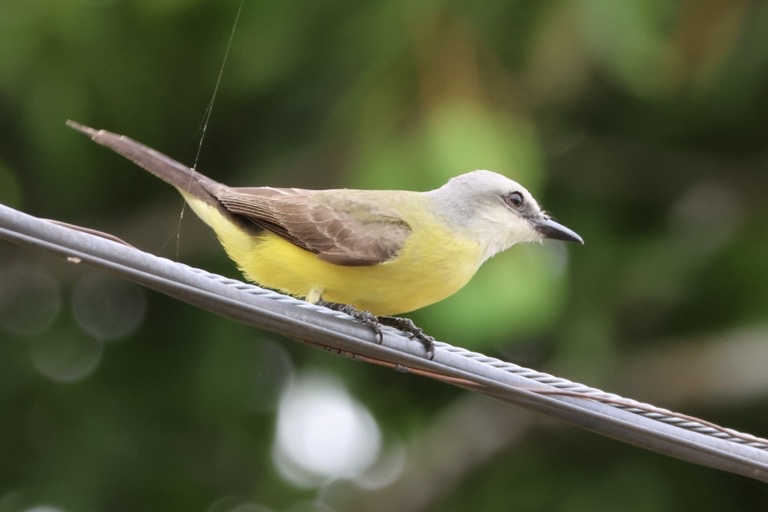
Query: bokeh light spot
<point x="30" y="299"/>
<point x="107" y="308"/>
<point x="323" y="433"/>
<point x="66" y="357"/>
<point x="44" y="508"/>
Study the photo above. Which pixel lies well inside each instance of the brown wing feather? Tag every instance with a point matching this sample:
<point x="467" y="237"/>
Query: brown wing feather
<point x="345" y="230"/>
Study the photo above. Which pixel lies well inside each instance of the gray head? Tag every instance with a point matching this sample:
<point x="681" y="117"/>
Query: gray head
<point x="496" y="212"/>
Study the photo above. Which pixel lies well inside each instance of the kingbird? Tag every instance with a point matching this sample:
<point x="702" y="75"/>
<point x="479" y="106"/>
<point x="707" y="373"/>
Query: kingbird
<point x="376" y="252"/>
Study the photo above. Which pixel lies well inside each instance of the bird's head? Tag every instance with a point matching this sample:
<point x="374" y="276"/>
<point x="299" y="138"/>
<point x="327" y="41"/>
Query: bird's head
<point x="496" y="211"/>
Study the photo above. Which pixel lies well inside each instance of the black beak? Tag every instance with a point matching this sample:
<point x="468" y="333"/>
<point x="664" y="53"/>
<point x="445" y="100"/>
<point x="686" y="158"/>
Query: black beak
<point x="551" y="229"/>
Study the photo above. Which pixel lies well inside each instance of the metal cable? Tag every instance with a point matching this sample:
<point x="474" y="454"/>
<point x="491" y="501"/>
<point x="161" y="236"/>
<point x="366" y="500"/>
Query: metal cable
<point x="644" y="425"/>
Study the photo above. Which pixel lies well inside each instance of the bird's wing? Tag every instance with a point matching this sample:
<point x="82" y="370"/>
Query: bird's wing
<point x="345" y="227"/>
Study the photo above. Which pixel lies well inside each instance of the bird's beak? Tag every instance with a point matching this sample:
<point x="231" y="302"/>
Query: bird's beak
<point x="551" y="229"/>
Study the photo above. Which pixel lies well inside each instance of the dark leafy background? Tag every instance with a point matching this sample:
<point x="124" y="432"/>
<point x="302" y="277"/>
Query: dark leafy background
<point x="640" y="124"/>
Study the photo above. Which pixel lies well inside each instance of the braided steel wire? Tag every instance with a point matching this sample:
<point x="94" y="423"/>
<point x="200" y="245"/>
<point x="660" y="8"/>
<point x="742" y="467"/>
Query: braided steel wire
<point x="644" y="425"/>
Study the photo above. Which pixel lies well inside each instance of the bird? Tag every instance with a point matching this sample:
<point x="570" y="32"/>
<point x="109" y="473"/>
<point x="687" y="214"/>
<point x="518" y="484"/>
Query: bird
<point x="370" y="253"/>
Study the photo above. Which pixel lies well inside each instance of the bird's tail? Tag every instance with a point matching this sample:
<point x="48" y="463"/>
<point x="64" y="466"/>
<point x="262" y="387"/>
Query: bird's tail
<point x="187" y="180"/>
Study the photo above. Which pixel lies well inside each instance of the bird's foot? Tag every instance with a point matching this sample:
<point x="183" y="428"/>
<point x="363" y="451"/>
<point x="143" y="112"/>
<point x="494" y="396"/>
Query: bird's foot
<point x="407" y="326"/>
<point x="364" y="317"/>
<point x="375" y="322"/>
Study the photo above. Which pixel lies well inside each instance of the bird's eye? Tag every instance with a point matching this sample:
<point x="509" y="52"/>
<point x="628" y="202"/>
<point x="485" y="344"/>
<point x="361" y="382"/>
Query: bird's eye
<point x="514" y="199"/>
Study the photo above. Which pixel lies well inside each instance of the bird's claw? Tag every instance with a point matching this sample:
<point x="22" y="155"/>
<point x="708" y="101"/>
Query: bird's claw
<point x="374" y="322"/>
<point x="414" y="332"/>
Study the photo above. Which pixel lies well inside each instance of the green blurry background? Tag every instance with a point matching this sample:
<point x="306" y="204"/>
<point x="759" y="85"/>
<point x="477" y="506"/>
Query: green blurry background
<point x="641" y="124"/>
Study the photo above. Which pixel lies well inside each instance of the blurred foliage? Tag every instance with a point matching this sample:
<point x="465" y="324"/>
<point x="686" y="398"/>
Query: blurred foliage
<point x="640" y="124"/>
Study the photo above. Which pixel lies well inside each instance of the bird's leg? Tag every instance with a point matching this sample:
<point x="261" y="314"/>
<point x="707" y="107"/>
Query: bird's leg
<point x="407" y="326"/>
<point x="364" y="317"/>
<point x="375" y="322"/>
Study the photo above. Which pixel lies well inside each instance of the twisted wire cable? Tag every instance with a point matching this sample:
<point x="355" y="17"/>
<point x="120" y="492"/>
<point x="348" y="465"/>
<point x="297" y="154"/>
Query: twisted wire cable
<point x="640" y="424"/>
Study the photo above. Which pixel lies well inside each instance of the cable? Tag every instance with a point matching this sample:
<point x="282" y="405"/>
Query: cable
<point x="643" y="425"/>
